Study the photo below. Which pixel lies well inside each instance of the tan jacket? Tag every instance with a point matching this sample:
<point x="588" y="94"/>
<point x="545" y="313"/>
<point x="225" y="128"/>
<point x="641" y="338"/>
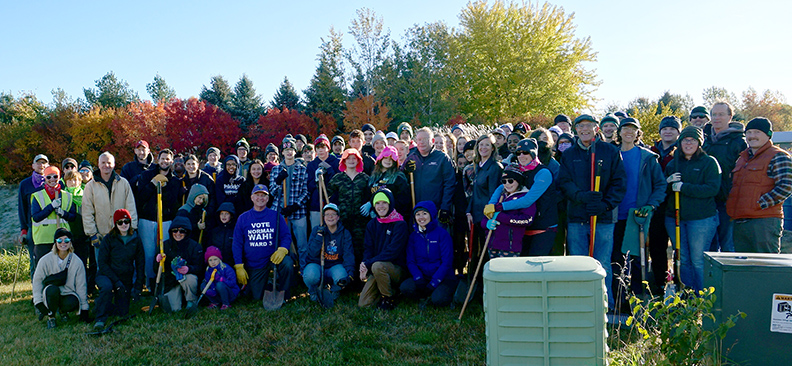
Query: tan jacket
<point x="75" y="280"/>
<point x="98" y="206"/>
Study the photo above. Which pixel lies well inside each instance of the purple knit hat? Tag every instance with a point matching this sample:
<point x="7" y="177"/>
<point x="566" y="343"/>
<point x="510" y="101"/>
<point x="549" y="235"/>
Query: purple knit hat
<point x="212" y="252"/>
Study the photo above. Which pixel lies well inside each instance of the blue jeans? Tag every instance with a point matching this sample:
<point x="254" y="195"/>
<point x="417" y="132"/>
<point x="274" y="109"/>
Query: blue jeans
<point x="147" y="230"/>
<point x="221" y="295"/>
<point x="299" y="229"/>
<point x="723" y="241"/>
<point x="578" y="244"/>
<point x="331" y="276"/>
<point x="694" y="236"/>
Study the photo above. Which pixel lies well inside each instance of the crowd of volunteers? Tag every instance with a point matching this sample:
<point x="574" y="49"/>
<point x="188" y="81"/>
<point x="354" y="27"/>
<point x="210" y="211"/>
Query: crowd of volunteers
<point x="386" y="216"/>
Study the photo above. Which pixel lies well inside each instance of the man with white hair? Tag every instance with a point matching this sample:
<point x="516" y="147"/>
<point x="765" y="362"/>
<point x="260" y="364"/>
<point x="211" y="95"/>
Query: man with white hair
<point x="434" y="174"/>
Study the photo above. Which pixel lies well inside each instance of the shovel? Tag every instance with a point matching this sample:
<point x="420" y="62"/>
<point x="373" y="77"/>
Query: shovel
<point x="161" y="267"/>
<point x="323" y="294"/>
<point x="191" y="311"/>
<point x="273" y="300"/>
<point x="641" y="221"/>
<point x="478" y="267"/>
<point x="671" y="287"/>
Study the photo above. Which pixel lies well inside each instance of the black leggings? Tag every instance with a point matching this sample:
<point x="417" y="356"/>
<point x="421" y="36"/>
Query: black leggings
<point x="60" y="303"/>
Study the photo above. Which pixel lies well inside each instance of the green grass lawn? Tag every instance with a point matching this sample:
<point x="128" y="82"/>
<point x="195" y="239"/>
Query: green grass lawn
<point x="300" y="333"/>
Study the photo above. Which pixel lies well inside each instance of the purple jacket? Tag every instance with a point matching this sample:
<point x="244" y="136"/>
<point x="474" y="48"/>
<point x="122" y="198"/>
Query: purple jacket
<point x="225" y="274"/>
<point x="509" y="233"/>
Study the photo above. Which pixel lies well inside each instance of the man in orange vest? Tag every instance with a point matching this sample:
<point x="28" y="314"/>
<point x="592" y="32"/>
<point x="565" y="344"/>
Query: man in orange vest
<point x="761" y="182"/>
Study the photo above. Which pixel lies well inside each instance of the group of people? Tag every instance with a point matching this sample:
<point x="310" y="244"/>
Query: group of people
<point x="397" y="214"/>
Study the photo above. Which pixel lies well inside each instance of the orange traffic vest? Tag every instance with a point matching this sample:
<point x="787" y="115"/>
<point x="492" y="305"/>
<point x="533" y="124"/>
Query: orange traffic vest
<point x="749" y="182"/>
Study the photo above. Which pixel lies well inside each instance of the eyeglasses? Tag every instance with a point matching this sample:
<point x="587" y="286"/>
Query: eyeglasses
<point x="52" y="176"/>
<point x="507" y="181"/>
<point x="179" y="230"/>
<point x="523" y="153"/>
<point x="123" y="222"/>
<point x="61" y="240"/>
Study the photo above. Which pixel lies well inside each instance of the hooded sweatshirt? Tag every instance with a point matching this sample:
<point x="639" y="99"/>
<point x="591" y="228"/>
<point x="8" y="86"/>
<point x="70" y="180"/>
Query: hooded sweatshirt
<point x="430" y="253"/>
<point x="192" y="212"/>
<point x="187" y="249"/>
<point x="223" y="233"/>
<point x="227" y="185"/>
<point x="386" y="237"/>
<point x="338" y="248"/>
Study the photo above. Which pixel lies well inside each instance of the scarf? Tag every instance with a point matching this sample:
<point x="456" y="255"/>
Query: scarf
<point x="531" y="166"/>
<point x="38" y="180"/>
<point x="392" y="217"/>
<point x="52" y="192"/>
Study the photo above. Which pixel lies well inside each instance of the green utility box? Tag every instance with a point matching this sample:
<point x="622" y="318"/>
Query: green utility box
<point x="759" y="285"/>
<point x="545" y="311"/>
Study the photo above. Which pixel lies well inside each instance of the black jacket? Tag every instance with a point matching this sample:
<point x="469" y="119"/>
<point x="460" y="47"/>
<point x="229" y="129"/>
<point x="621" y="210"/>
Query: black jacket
<point x="119" y="261"/>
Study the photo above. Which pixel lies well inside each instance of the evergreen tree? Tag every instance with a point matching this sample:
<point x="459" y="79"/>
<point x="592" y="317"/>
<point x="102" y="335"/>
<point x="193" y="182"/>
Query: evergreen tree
<point x="286" y="97"/>
<point x="247" y="105"/>
<point x="110" y="92"/>
<point x="326" y="92"/>
<point x="159" y="90"/>
<point x="219" y="94"/>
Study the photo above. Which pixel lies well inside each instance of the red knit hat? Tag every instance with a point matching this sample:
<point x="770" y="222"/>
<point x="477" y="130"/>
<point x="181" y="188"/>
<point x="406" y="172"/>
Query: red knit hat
<point x="121" y="214"/>
<point x="212" y="252"/>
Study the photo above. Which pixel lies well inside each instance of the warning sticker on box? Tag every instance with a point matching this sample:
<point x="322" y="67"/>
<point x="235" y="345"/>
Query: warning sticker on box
<point x="781" y="321"/>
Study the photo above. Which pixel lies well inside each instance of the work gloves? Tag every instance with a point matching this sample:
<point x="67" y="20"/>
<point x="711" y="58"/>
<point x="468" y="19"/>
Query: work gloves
<point x="493" y="223"/>
<point x="676" y="186"/>
<point x="201" y="225"/>
<point x="365" y="209"/>
<point x="159" y="179"/>
<point x="587" y="197"/>
<point x="409" y="166"/>
<point x="281" y="177"/>
<point x="119" y="287"/>
<point x="644" y="211"/>
<point x="491" y="209"/>
<point x="344" y="282"/>
<point x="290" y="209"/>
<point x="596" y="208"/>
<point x="318" y="174"/>
<point x="676" y="177"/>
<point x="320" y="230"/>
<point x="279" y="254"/>
<point x="56" y="203"/>
<point x="241" y="274"/>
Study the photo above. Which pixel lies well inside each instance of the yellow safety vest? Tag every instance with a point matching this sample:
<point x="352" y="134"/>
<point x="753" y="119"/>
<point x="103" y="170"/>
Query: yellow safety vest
<point x="44" y="230"/>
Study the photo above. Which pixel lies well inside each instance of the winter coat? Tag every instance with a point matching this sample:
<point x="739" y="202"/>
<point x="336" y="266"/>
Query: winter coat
<point x="147" y="192"/>
<point x="385" y="242"/>
<point x="509" y="233"/>
<point x="75" y="278"/>
<point x="133" y="169"/>
<point x="225" y="274"/>
<point x="26" y="188"/>
<point x="538" y="181"/>
<point x="223" y="234"/>
<point x="227" y="185"/>
<point x="338" y="248"/>
<point x="725" y="147"/>
<point x="99" y="205"/>
<point x="212" y="171"/>
<point x="255" y="237"/>
<point x="313" y="185"/>
<point x="203" y="179"/>
<point x="119" y="261"/>
<point x="351" y="194"/>
<point x="187" y="249"/>
<point x="487" y="179"/>
<point x="575" y="177"/>
<point x="430" y="253"/>
<point x="434" y="178"/>
<point x="700" y="184"/>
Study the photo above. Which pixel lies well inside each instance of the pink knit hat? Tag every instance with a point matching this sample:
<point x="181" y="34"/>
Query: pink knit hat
<point x="388" y="152"/>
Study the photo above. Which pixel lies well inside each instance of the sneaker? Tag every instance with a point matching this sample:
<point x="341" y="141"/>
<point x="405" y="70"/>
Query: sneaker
<point x="51" y="323"/>
<point x="99" y="325"/>
<point x="212" y="306"/>
<point x="225" y="307"/>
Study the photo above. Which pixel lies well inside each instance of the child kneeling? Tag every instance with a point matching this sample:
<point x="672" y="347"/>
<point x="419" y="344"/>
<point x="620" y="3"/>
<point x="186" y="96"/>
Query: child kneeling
<point x="224" y="289"/>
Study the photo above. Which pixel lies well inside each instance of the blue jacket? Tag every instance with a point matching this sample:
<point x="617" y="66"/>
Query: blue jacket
<point x="575" y="177"/>
<point x="225" y="274"/>
<point x="434" y="178"/>
<point x="338" y="248"/>
<point x="26" y="189"/>
<point x="651" y="180"/>
<point x="430" y="254"/>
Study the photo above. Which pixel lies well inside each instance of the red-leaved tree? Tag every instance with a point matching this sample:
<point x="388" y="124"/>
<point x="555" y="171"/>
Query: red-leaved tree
<point x="194" y="125"/>
<point x="139" y="121"/>
<point x="327" y="123"/>
<point x="273" y="127"/>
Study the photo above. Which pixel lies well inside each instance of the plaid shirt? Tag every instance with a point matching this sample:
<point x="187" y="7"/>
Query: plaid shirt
<point x="298" y="188"/>
<point x="779" y="170"/>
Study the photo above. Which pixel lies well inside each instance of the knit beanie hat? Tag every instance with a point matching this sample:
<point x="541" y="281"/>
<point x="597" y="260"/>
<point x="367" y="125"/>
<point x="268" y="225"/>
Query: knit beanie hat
<point x="322" y="139"/>
<point x="470" y="145"/>
<point x="694" y="132"/>
<point x="243" y="143"/>
<point x="289" y="143"/>
<point x="368" y="127"/>
<point x="271" y="148"/>
<point x="562" y="118"/>
<point x="700" y="111"/>
<point x="556" y="129"/>
<point x="51" y="170"/>
<point x="379" y="197"/>
<point x="609" y="119"/>
<point x="213" y="150"/>
<point x="513" y="171"/>
<point x="337" y="138"/>
<point x="406" y="126"/>
<point x="379" y="136"/>
<point x="301" y="137"/>
<point x="528" y="145"/>
<point x="120" y="214"/>
<point x="68" y="161"/>
<point x="670" y="121"/>
<point x="585" y="117"/>
<point x="522" y="128"/>
<point x="761" y="124"/>
<point x="212" y="251"/>
<point x="621" y="114"/>
<point x="86" y="164"/>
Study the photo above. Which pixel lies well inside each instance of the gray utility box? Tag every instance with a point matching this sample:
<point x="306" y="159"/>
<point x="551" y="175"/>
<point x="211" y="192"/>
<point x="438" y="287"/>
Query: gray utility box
<point x="545" y="311"/>
<point x="760" y="285"/>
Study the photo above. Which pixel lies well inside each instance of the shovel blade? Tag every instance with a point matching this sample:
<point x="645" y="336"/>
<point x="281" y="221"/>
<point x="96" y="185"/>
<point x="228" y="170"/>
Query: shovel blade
<point x="152" y="304"/>
<point x="273" y="300"/>
<point x="462" y="290"/>
<point x="325" y="298"/>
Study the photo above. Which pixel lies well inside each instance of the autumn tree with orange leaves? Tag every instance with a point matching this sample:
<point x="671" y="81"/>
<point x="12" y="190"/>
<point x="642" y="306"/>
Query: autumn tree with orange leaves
<point x="364" y="110"/>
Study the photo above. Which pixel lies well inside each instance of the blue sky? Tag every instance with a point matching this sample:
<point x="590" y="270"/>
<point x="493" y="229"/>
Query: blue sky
<point x="644" y="47"/>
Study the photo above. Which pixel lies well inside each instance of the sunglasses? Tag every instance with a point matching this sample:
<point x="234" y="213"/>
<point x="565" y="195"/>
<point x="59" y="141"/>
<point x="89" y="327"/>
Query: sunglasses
<point x="702" y="117"/>
<point x="523" y="153"/>
<point x="179" y="230"/>
<point x="507" y="181"/>
<point x="52" y="176"/>
<point x="69" y="166"/>
<point x="61" y="241"/>
<point x="86" y="171"/>
<point x="123" y="222"/>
